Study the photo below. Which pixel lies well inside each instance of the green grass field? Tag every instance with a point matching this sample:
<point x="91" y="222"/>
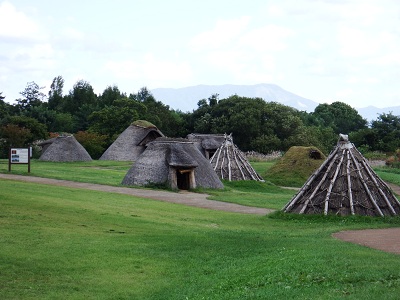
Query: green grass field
<point x="69" y="243"/>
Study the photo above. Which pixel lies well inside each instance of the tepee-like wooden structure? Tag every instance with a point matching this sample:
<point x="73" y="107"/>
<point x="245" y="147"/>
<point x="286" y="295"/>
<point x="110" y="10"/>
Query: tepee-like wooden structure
<point x="231" y="164"/>
<point x="344" y="184"/>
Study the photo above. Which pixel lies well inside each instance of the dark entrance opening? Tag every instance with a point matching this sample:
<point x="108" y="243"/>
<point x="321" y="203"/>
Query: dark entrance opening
<point x="183" y="179"/>
<point x="211" y="153"/>
<point x="314" y="154"/>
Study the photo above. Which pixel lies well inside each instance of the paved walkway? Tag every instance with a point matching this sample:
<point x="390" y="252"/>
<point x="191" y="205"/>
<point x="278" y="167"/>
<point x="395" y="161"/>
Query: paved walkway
<point x="183" y="197"/>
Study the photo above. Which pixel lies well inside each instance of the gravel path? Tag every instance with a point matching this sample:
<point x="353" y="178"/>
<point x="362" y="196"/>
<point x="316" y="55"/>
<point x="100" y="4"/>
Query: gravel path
<point x="183" y="197"/>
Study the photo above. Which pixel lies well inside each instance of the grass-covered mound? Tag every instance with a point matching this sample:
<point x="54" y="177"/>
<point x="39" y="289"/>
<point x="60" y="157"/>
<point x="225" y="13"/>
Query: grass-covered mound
<point x="294" y="168"/>
<point x="143" y="123"/>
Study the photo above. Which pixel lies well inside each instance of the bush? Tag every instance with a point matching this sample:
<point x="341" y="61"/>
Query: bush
<point x="94" y="143"/>
<point x="394" y="160"/>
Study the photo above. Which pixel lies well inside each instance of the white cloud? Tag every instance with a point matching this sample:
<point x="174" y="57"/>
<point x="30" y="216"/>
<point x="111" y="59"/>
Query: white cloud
<point x="15" y="24"/>
<point x="267" y="38"/>
<point x="150" y="69"/>
<point x="223" y="33"/>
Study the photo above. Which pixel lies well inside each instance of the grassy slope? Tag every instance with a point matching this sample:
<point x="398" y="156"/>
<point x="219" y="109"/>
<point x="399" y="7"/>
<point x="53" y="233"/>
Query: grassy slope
<point x="74" y="244"/>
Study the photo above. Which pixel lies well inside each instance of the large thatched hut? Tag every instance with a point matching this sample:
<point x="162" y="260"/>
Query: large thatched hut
<point x="173" y="162"/>
<point x="206" y="143"/>
<point x="132" y="142"/>
<point x="65" y="149"/>
<point x="345" y="184"/>
<point x="231" y="164"/>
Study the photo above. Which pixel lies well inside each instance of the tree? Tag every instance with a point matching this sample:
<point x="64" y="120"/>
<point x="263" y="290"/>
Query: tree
<point x="37" y="130"/>
<point x="340" y="116"/>
<point x="109" y="95"/>
<point x="4" y="107"/>
<point x="387" y="127"/>
<point x="93" y="143"/>
<point x="12" y="135"/>
<point x="114" y="119"/>
<point x="32" y="96"/>
<point x="80" y="103"/>
<point x="55" y="100"/>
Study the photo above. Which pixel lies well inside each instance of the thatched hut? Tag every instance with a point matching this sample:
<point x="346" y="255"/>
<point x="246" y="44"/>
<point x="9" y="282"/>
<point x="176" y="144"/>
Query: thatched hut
<point x="132" y="142"/>
<point x="46" y="144"/>
<point x="231" y="164"/>
<point x="65" y="149"/>
<point x="173" y="162"/>
<point x="345" y="184"/>
<point x="206" y="143"/>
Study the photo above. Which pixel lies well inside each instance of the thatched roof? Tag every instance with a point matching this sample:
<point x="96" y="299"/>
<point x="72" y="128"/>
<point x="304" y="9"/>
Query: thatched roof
<point x="65" y="149"/>
<point x="46" y="144"/>
<point x="231" y="164"/>
<point x="206" y="142"/>
<point x="164" y="157"/>
<point x="132" y="142"/>
<point x="345" y="184"/>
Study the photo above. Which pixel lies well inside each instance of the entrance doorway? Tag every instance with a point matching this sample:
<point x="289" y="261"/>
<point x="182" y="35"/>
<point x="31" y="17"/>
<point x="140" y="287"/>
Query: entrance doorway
<point x="183" y="178"/>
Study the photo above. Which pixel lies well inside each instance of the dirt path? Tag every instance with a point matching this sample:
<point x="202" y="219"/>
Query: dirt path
<point x="387" y="239"/>
<point x="183" y="197"/>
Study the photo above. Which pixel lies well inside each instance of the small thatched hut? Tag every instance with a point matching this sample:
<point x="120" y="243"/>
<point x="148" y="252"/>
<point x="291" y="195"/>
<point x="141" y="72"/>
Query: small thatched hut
<point x="65" y="149"/>
<point x="206" y="143"/>
<point x="345" y="184"/>
<point x="174" y="162"/>
<point x="231" y="164"/>
<point x="132" y="142"/>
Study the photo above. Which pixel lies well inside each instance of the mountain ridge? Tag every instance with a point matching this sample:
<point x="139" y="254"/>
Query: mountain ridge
<point x="186" y="98"/>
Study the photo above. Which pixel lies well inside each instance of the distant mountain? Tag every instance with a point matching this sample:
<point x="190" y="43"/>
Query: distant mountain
<point x="186" y="99"/>
<point x="371" y="112"/>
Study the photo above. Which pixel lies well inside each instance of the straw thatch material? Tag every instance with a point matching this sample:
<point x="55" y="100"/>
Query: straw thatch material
<point x="131" y="143"/>
<point x="345" y="184"/>
<point x="65" y="149"/>
<point x="206" y="143"/>
<point x="46" y="144"/>
<point x="231" y="164"/>
<point x="174" y="162"/>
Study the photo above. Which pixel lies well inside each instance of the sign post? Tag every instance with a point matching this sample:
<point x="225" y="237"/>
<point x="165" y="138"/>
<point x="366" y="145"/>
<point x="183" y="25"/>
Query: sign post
<point x="20" y="156"/>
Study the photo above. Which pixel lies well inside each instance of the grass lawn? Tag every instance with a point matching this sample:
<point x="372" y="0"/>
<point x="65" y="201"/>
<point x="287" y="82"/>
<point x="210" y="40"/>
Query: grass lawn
<point x="67" y="243"/>
<point x="96" y="171"/>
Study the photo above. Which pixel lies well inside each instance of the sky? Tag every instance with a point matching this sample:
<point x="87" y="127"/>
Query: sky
<point x="323" y="50"/>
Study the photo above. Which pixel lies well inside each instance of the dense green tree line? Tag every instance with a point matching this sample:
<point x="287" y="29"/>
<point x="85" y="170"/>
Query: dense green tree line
<point x="96" y="120"/>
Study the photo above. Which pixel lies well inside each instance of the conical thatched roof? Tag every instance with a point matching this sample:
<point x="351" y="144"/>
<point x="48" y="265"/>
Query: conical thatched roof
<point x="65" y="149"/>
<point x="174" y="162"/>
<point x="345" y="184"/>
<point x="231" y="164"/>
<point x="206" y="143"/>
<point x="132" y="142"/>
<point x="46" y="144"/>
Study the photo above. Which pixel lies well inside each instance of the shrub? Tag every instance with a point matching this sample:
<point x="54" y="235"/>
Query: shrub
<point x="94" y="143"/>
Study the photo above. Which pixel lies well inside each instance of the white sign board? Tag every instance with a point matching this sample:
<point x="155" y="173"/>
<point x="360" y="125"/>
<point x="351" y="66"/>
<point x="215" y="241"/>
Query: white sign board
<point x="19" y="155"/>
